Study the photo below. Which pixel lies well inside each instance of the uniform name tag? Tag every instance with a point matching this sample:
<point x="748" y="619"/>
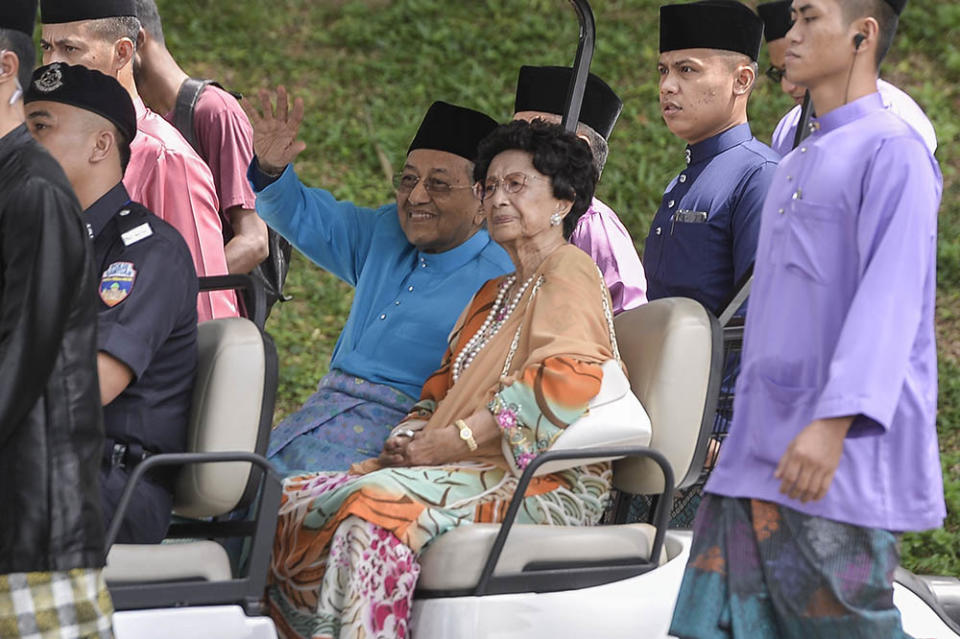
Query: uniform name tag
<point x="136" y="234"/>
<point x="690" y="217"/>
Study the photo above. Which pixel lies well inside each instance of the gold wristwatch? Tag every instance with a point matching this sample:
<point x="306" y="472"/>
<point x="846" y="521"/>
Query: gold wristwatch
<point x="466" y="434"/>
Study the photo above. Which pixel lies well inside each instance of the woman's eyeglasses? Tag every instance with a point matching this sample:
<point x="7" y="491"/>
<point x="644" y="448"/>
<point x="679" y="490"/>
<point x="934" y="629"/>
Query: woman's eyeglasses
<point x="406" y="182"/>
<point x="511" y="184"/>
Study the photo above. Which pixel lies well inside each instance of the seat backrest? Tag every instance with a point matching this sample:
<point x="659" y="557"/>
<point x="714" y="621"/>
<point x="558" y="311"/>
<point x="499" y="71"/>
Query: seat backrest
<point x="231" y="412"/>
<point x="673" y="350"/>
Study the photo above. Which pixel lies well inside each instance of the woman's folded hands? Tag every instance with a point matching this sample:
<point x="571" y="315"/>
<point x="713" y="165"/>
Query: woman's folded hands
<point x="418" y="446"/>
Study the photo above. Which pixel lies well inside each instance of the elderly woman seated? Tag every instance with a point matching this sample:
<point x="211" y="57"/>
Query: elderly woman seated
<point x="524" y="362"/>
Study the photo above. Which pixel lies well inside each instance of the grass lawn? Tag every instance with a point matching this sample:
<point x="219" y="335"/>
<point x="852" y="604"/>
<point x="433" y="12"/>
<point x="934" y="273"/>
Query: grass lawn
<point x="368" y="70"/>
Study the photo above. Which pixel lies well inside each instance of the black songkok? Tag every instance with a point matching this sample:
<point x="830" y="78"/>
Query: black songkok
<point x="59" y="11"/>
<point x="18" y="15"/>
<point x="545" y="89"/>
<point x="85" y="89"/>
<point x="727" y="25"/>
<point x="453" y="129"/>
<point x="776" y="19"/>
<point x="898" y="5"/>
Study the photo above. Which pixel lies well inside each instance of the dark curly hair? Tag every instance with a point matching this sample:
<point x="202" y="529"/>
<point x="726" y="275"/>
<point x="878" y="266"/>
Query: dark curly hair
<point x="561" y="156"/>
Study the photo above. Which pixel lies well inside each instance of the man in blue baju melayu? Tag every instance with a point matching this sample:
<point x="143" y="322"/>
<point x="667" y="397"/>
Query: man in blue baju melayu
<point x="703" y="238"/>
<point x="415" y="265"/>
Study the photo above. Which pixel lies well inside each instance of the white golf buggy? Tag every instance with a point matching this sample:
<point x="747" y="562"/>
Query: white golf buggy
<point x="509" y="581"/>
<point x="616" y="580"/>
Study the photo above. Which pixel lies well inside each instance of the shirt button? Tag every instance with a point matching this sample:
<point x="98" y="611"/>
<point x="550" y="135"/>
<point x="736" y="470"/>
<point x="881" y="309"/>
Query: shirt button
<point x="397" y="303"/>
<point x="789" y="178"/>
<point x="781" y="211"/>
<point x="670" y="204"/>
<point x="383" y="316"/>
<point x="658" y="231"/>
<point x="410" y="288"/>
<point x="423" y="265"/>
<point x="683" y="178"/>
<point x="803" y="149"/>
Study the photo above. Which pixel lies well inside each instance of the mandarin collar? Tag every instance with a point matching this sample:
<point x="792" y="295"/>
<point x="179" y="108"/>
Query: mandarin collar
<point x="456" y="257"/>
<point x="706" y="149"/>
<point x="851" y="111"/>
<point x="101" y="211"/>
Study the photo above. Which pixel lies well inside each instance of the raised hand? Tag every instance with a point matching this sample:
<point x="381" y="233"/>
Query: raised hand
<point x="275" y="130"/>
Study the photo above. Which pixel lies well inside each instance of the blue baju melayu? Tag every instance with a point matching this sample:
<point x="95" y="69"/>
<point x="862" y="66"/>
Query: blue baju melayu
<point x="703" y="237"/>
<point x="405" y="305"/>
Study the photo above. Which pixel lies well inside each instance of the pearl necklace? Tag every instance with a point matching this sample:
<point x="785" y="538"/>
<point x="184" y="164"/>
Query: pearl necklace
<point x="496" y="318"/>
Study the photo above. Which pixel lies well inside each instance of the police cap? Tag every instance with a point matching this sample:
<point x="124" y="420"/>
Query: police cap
<point x="85" y="89"/>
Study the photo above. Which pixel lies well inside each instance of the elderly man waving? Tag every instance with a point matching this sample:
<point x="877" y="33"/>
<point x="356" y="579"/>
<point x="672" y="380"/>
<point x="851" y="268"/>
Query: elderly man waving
<point x="415" y="265"/>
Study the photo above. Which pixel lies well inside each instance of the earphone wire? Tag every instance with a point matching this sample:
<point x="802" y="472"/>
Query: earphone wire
<point x="857" y="41"/>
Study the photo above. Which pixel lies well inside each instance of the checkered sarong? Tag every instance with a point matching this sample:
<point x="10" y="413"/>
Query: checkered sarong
<point x="55" y="605"/>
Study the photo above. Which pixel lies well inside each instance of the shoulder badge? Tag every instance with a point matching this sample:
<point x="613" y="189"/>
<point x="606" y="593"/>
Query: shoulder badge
<point x="117" y="283"/>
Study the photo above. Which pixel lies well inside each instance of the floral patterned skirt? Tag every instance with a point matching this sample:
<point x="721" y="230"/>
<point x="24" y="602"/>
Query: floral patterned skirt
<point x="344" y="562"/>
<point x="759" y="570"/>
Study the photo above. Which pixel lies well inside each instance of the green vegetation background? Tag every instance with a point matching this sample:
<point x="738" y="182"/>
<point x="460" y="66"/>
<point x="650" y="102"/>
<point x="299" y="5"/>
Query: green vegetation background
<point x="368" y="69"/>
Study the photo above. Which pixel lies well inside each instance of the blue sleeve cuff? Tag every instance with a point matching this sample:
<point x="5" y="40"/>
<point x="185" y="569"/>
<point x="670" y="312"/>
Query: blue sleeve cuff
<point x="258" y="179"/>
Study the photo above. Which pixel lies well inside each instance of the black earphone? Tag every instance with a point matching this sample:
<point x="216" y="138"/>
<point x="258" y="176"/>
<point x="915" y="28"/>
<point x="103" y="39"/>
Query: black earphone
<point x="858" y="40"/>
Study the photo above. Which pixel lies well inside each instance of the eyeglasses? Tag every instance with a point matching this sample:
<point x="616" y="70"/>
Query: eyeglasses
<point x="512" y="184"/>
<point x="406" y="182"/>
<point x="776" y="73"/>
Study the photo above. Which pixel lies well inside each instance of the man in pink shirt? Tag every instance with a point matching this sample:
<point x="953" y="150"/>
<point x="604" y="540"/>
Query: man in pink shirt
<point x="164" y="173"/>
<point x="222" y="136"/>
<point x="541" y="94"/>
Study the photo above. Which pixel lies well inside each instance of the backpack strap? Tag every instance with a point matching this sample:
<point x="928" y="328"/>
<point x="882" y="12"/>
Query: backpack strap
<point x="187" y="98"/>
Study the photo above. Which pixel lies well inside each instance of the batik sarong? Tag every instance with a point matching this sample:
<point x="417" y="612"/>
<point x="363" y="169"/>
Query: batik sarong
<point x="759" y="570"/>
<point x="347" y="420"/>
<point x="53" y="605"/>
<point x="344" y="561"/>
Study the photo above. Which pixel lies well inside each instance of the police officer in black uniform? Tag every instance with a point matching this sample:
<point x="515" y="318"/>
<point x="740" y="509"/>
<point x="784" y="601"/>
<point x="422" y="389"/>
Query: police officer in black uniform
<point x="147" y="319"/>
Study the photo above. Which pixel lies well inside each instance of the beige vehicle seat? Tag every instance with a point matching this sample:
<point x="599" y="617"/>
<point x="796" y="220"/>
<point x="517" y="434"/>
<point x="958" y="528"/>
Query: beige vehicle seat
<point x="673" y="352"/>
<point x="230" y="419"/>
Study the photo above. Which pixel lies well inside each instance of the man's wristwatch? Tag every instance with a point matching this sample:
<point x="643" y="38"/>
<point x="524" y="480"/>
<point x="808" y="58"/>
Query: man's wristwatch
<point x="466" y="434"/>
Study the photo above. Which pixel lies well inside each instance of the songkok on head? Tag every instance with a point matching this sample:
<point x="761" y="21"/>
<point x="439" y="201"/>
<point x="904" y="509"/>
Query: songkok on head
<point x="727" y="25"/>
<point x="545" y="89"/>
<point x="59" y="11"/>
<point x="776" y="19"/>
<point x="898" y="5"/>
<point x="453" y="129"/>
<point x="85" y="89"/>
<point x="18" y="15"/>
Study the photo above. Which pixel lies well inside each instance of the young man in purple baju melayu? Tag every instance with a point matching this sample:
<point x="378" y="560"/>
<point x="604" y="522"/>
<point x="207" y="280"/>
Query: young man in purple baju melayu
<point x="777" y="22"/>
<point x="833" y="448"/>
